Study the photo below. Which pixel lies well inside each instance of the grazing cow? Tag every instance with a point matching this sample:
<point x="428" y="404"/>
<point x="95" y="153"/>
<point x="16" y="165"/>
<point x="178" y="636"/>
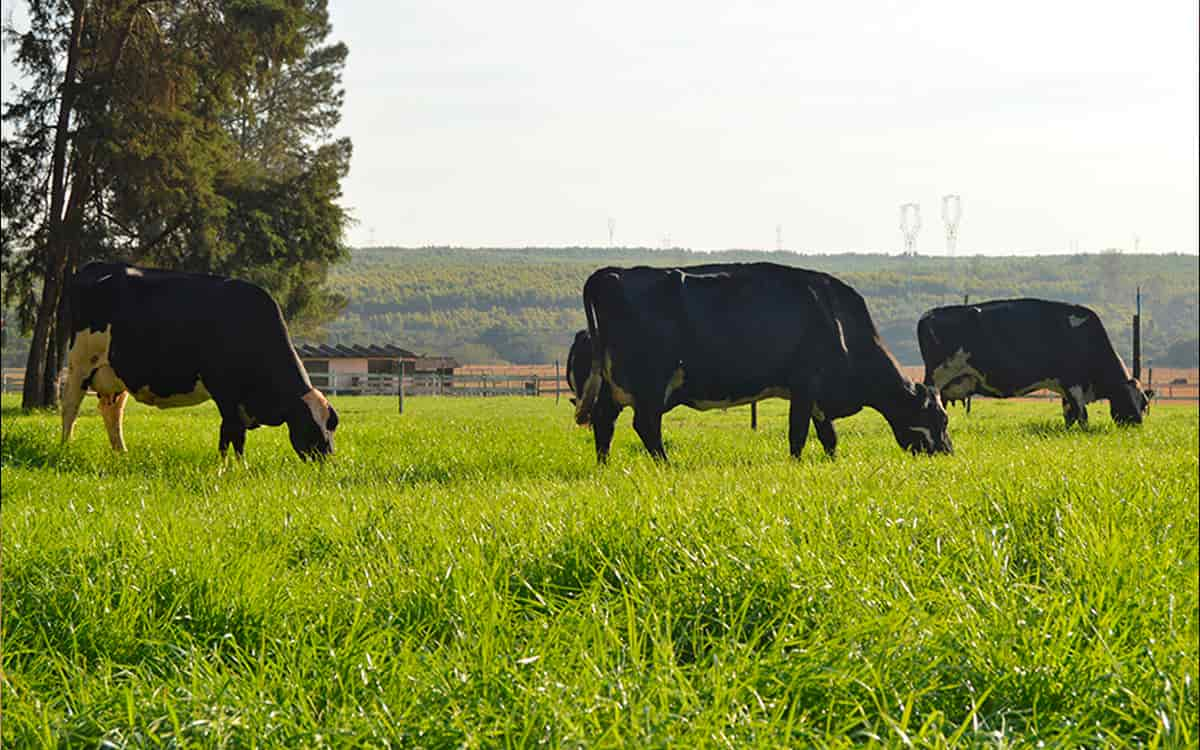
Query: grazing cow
<point x="177" y="339"/>
<point x="1013" y="347"/>
<point x="715" y="336"/>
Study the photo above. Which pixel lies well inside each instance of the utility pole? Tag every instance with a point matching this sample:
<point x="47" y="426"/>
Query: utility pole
<point x="1137" y="336"/>
<point x="910" y="225"/>
<point x="951" y="215"/>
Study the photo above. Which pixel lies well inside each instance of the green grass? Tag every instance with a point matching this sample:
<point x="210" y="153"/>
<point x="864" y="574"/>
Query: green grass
<point x="465" y="575"/>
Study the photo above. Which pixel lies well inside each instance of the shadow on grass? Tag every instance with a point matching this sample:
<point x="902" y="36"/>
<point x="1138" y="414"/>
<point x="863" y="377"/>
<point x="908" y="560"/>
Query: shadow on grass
<point x="24" y="449"/>
<point x="16" y="412"/>
<point x="1058" y="428"/>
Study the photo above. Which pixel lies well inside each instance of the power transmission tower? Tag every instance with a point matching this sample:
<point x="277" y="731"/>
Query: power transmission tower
<point x="951" y="215"/>
<point x="612" y="228"/>
<point x="910" y="225"/>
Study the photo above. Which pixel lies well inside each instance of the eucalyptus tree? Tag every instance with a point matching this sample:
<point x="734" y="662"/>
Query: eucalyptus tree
<point x="172" y="133"/>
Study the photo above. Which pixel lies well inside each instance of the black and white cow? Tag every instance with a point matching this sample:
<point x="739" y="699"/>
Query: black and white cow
<point x="177" y="339"/>
<point x="1013" y="347"/>
<point x="715" y="336"/>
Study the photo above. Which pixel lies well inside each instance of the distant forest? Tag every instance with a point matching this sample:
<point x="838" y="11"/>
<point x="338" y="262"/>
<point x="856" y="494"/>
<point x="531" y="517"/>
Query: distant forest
<point x="524" y="305"/>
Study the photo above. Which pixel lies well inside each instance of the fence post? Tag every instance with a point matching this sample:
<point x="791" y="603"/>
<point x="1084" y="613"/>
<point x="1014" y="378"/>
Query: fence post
<point x="1137" y="337"/>
<point x="754" y="415"/>
<point x="557" y="383"/>
<point x="400" y="390"/>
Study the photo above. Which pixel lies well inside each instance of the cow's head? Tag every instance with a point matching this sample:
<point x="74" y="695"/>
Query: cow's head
<point x="1129" y="403"/>
<point x="579" y="364"/>
<point x="311" y="424"/>
<point x="920" y="424"/>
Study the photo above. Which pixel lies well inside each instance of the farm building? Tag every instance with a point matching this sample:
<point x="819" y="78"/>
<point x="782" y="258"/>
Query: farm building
<point x="347" y="368"/>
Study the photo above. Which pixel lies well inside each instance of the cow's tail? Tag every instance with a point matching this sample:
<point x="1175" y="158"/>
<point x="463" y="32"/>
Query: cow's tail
<point x="595" y="378"/>
<point x="928" y="343"/>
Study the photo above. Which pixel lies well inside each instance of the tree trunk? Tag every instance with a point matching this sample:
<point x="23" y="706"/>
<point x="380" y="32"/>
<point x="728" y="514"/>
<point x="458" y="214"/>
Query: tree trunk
<point x="35" y="393"/>
<point x="53" y="363"/>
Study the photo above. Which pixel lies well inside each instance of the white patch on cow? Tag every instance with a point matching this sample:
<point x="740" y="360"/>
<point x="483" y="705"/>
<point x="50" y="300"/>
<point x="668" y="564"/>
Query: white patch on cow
<point x="673" y="384"/>
<point x="227" y="461"/>
<point x="198" y="395"/>
<point x="620" y="395"/>
<point x="924" y="431"/>
<point x="956" y="378"/>
<point x="1076" y="320"/>
<point x="247" y="420"/>
<point x="319" y="407"/>
<point x="841" y="335"/>
<point x="1043" y="385"/>
<point x="88" y="361"/>
<point x="112" y="409"/>
<point x="727" y="403"/>
<point x="954" y="368"/>
<point x="1081" y="396"/>
<point x="89" y="357"/>
<point x="818" y="414"/>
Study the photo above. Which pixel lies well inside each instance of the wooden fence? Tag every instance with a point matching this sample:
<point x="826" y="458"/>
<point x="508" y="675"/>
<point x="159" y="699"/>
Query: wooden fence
<point x="1168" y="384"/>
<point x="478" y="384"/>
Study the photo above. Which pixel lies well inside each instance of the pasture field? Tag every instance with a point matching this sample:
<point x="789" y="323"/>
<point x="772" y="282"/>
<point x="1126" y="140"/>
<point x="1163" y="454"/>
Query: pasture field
<point x="465" y="575"/>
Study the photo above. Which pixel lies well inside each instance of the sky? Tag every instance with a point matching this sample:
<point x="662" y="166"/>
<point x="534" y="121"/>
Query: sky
<point x="711" y="125"/>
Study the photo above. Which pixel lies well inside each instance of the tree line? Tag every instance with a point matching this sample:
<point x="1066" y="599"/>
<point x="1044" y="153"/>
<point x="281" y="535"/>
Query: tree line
<point x="523" y="305"/>
<point x="188" y="134"/>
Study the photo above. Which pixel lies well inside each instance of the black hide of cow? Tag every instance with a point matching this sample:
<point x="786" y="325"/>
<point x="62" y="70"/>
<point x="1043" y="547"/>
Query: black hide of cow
<point x="720" y="335"/>
<point x="176" y="339"/>
<point x="1012" y="347"/>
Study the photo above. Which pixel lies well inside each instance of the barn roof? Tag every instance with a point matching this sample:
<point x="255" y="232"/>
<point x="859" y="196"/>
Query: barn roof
<point x="353" y="351"/>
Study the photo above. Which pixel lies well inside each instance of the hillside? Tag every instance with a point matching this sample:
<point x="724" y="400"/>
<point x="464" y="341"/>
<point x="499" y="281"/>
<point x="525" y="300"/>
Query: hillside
<point x="523" y="305"/>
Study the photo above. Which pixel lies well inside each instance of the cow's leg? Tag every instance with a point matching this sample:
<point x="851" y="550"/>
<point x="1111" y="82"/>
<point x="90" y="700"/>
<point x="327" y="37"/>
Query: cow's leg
<point x="233" y="432"/>
<point x="1078" y="406"/>
<point x="112" y="408"/>
<point x="73" y="394"/>
<point x="647" y="421"/>
<point x="604" y="422"/>
<point x="1069" y="413"/>
<point x="798" y="417"/>
<point x="826" y="434"/>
